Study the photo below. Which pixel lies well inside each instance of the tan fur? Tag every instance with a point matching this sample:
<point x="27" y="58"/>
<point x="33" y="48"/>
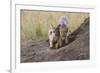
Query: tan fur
<point x="63" y="35"/>
<point x="59" y="43"/>
<point x="60" y="37"/>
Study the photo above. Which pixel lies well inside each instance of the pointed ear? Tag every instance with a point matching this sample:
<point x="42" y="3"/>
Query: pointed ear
<point x="58" y="26"/>
<point x="52" y="26"/>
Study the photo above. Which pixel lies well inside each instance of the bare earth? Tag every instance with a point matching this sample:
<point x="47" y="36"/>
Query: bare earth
<point x="76" y="49"/>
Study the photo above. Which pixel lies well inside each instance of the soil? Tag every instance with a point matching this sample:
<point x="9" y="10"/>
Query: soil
<point x="76" y="49"/>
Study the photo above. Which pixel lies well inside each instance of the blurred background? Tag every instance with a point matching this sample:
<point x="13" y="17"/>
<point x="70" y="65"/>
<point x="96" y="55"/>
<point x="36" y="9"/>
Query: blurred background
<point x="36" y="24"/>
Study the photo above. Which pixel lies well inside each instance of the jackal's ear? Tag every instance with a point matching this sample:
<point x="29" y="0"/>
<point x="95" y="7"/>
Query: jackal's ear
<point x="52" y="26"/>
<point x="58" y="26"/>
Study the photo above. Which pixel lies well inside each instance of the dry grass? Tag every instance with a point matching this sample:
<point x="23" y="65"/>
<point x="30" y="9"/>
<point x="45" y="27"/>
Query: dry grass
<point x="35" y="24"/>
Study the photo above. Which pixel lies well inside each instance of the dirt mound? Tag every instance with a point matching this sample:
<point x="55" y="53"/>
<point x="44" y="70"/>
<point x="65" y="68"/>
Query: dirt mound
<point x="76" y="49"/>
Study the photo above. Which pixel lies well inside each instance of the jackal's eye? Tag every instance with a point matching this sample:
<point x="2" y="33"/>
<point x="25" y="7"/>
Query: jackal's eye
<point x="51" y="32"/>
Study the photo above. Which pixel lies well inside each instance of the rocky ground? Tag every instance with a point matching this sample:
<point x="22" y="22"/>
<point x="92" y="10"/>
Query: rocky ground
<point x="76" y="49"/>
